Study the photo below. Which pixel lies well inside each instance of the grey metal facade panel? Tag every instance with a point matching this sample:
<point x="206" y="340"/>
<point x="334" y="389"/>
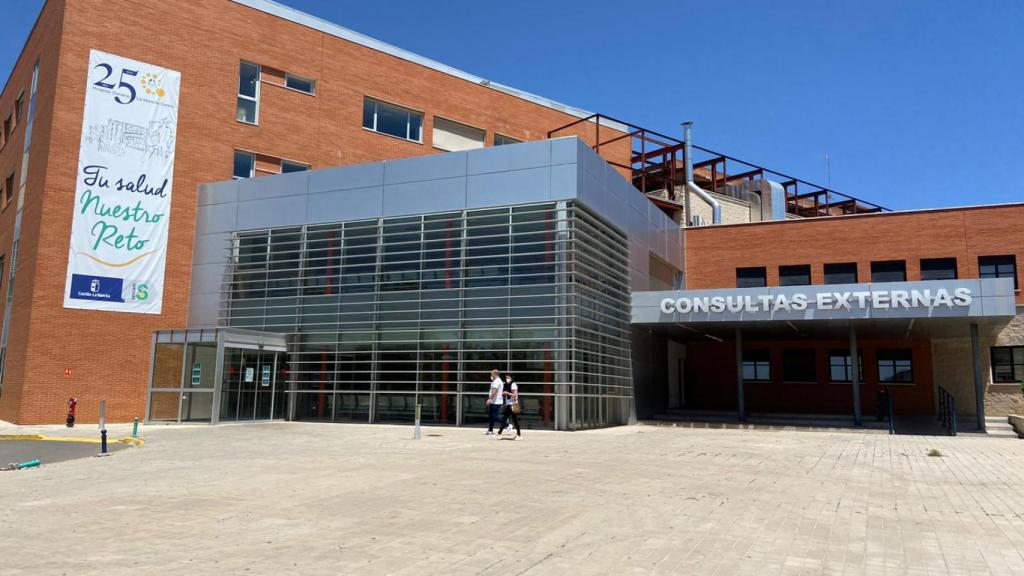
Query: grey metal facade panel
<point x="214" y="218"/>
<point x="340" y="205"/>
<point x="533" y="154"/>
<point x="566" y="150"/>
<point x="218" y="192"/>
<point x="211" y="248"/>
<point x="422" y="168"/>
<point x="286" y="211"/>
<point x="203" y="310"/>
<point x="515" y="187"/>
<point x="999" y="303"/>
<point x="564" y="181"/>
<point x="346" y="177"/>
<point x="277" y="186"/>
<point x="424" y="197"/>
<point x="207" y="278"/>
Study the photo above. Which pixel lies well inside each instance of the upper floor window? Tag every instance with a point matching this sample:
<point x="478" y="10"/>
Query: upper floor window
<point x="895" y="365"/>
<point x="248" y="93"/>
<point x="889" y="271"/>
<point x="841" y="273"/>
<point x="7" y="128"/>
<point x="19" y="106"/>
<point x="392" y="120"/>
<point x="1008" y="364"/>
<point x="289" y="166"/>
<point x="751" y="277"/>
<point x="245" y="164"/>
<point x="299" y="83"/>
<point x="998" y="267"/>
<point x="451" y="136"/>
<point x="757" y="365"/>
<point x="9" y="189"/>
<point x="501" y="140"/>
<point x="1" y="269"/>
<point x="938" y="269"/>
<point x="799" y="275"/>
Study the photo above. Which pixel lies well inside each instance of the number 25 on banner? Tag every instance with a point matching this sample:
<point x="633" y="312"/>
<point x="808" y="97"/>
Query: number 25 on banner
<point x="109" y="72"/>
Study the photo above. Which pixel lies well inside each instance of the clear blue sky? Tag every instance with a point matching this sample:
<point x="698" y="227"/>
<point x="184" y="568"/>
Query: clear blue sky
<point x="918" y="103"/>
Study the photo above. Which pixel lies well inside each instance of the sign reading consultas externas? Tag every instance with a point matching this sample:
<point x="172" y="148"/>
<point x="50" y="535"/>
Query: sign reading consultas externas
<point x="990" y="297"/>
<point x="123" y="189"/>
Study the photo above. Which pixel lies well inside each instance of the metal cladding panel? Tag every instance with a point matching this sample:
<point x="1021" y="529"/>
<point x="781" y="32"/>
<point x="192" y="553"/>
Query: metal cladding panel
<point x="421" y="168"/>
<point x="214" y="218"/>
<point x="423" y="197"/>
<point x="272" y="212"/>
<point x="211" y="248"/>
<point x="340" y="205"/>
<point x="276" y="186"/>
<point x="346" y="177"/>
<point x="515" y="187"/>
<point x="535" y="154"/>
<point x="883" y="300"/>
<point x="218" y="192"/>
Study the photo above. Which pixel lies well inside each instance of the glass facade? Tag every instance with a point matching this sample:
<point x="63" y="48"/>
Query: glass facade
<point x="384" y="314"/>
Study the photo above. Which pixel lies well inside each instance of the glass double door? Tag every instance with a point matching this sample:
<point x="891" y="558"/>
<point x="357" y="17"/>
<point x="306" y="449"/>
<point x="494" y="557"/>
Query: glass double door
<point x="251" y="387"/>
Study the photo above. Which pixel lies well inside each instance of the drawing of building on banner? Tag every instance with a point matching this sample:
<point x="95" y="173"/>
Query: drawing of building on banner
<point x="117" y="137"/>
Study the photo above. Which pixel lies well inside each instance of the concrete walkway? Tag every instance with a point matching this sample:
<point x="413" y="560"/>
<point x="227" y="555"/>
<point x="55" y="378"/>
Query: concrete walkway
<point x="292" y="498"/>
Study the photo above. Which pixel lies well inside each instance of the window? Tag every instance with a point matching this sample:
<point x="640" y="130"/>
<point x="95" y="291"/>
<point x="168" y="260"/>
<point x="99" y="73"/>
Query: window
<point x="799" y="275"/>
<point x="289" y="166"/>
<point x="840" y="369"/>
<point x="248" y="93"/>
<point x="452" y="136"/>
<point x="998" y="267"/>
<point x="7" y="128"/>
<point x="1" y="270"/>
<point x="393" y="120"/>
<point x="889" y="271"/>
<point x="799" y="365"/>
<point x="19" y="106"/>
<point x="9" y="189"/>
<point x="841" y="273"/>
<point x="938" y="269"/>
<point x="757" y="365"/>
<point x="299" y="83"/>
<point x="751" y="277"/>
<point x="245" y="164"/>
<point x="1007" y="364"/>
<point x="895" y="365"/>
<point x="502" y="140"/>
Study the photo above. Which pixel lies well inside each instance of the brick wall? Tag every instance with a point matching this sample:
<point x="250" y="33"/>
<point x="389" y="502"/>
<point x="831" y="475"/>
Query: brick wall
<point x="108" y="353"/>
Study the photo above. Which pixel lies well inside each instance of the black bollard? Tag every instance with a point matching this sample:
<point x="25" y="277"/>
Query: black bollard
<point x="103" y="443"/>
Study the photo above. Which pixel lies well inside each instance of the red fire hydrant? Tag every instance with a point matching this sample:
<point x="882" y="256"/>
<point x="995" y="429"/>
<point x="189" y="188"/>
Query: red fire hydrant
<point x="72" y="403"/>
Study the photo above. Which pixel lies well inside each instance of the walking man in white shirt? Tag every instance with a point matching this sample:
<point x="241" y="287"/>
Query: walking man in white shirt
<point x="495" y="400"/>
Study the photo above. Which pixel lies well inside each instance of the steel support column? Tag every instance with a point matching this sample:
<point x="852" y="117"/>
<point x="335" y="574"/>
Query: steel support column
<point x="855" y="376"/>
<point x="979" y="384"/>
<point x="742" y="404"/>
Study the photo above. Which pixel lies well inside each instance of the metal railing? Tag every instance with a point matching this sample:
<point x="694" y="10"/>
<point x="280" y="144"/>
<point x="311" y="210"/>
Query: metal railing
<point x="947" y="411"/>
<point x="892" y="421"/>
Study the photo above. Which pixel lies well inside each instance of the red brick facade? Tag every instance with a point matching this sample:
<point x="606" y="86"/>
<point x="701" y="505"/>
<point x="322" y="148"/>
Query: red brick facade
<point x="108" y="354"/>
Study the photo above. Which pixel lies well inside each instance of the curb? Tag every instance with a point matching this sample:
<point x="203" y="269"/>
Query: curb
<point x="43" y="438"/>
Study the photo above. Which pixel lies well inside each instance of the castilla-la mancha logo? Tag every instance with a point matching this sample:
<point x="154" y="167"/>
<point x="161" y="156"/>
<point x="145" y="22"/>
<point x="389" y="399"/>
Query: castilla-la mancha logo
<point x="151" y="84"/>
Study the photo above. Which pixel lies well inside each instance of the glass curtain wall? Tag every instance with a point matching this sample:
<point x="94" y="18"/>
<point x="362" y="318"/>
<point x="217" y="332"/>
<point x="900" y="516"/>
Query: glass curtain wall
<point x="385" y="314"/>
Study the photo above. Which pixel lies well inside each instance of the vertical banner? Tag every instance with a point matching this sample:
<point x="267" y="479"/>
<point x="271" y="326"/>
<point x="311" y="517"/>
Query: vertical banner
<point x="123" y="189"/>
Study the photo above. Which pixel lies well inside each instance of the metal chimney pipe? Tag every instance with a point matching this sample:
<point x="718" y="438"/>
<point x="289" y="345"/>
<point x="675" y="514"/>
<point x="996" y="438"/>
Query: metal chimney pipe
<point x="691" y="186"/>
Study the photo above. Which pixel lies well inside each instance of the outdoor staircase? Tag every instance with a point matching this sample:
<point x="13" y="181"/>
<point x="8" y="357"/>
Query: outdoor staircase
<point x="999" y="427"/>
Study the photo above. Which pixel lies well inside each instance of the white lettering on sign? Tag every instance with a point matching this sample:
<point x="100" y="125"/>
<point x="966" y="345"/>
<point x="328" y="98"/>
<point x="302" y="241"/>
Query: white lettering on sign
<point x="799" y="301"/>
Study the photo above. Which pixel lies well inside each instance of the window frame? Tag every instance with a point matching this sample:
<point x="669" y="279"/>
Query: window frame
<point x="879" y="363"/>
<point x="883" y="263"/>
<point x="756" y="364"/>
<point x="846" y="365"/>
<point x="433" y="129"/>
<point x="825" y="272"/>
<point x="813" y="365"/>
<point x="8" y="190"/>
<point x="305" y="167"/>
<point x="937" y="262"/>
<point x="1017" y="377"/>
<point x="376" y="103"/>
<point x="494" y="140"/>
<point x="763" y="271"/>
<point x="252" y="164"/>
<point x="255" y="99"/>
<point x="312" y="83"/>
<point x="19" y="107"/>
<point x="1012" y="260"/>
<point x="790" y="268"/>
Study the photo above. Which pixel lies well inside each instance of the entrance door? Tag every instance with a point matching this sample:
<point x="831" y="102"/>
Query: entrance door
<point x="249" y="390"/>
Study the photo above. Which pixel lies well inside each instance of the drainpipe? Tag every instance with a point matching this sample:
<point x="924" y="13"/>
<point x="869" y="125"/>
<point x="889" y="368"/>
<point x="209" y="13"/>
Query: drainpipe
<point x="691" y="186"/>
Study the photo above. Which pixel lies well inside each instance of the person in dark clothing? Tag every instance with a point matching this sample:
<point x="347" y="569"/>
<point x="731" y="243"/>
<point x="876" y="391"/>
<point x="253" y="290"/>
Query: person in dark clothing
<point x="512" y="407"/>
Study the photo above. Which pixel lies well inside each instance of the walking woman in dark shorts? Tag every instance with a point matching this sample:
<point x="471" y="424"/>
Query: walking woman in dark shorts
<point x="512" y="407"/>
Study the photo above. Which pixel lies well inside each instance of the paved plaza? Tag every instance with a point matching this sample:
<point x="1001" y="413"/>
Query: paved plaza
<point x="293" y="498"/>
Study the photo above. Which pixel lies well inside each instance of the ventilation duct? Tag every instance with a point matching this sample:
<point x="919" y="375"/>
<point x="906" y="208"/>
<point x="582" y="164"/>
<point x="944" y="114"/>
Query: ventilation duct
<point x="691" y="186"/>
